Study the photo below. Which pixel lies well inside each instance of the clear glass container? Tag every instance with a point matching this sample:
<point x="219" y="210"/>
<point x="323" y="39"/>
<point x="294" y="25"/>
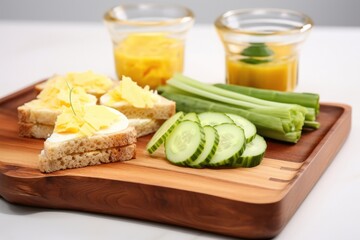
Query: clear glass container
<point x="262" y="46"/>
<point x="148" y="40"/>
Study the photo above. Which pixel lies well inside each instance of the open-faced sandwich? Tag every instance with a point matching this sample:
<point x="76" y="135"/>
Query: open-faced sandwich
<point x="145" y="109"/>
<point x="93" y="83"/>
<point x="37" y="117"/>
<point x="88" y="135"/>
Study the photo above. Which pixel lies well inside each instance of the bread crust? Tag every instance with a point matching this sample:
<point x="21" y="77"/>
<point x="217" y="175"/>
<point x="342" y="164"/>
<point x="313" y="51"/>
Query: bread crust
<point x="115" y="154"/>
<point x="163" y="109"/>
<point x="33" y="130"/>
<point x="55" y="150"/>
<point x="146" y="126"/>
<point x="28" y="114"/>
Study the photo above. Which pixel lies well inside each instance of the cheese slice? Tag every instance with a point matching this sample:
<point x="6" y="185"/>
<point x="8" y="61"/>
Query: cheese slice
<point x="86" y="121"/>
<point x="90" y="81"/>
<point x="58" y="95"/>
<point x="130" y="92"/>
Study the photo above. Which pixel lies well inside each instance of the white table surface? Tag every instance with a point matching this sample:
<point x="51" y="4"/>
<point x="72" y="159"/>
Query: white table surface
<point x="330" y="66"/>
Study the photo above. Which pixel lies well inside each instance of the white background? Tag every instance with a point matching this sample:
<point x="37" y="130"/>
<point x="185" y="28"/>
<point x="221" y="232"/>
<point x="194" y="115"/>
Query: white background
<point x="323" y="12"/>
<point x="329" y="65"/>
<point x="59" y="43"/>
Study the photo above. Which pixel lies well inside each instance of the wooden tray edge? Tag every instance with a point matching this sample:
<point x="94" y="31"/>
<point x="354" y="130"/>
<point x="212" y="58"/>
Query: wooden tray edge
<point x="315" y="165"/>
<point x="276" y="216"/>
<point x="15" y="94"/>
<point x="126" y="199"/>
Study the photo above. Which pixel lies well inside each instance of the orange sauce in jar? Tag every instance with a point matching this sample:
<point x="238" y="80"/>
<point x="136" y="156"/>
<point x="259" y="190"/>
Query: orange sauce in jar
<point x="278" y="71"/>
<point x="149" y="58"/>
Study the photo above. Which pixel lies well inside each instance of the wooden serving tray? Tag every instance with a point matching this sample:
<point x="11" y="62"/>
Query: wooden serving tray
<point x="250" y="203"/>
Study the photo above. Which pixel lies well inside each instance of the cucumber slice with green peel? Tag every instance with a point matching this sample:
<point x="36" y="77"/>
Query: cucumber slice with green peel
<point x="191" y="116"/>
<point x="249" y="127"/>
<point x="211" y="143"/>
<point x="185" y="143"/>
<point x="253" y="154"/>
<point x="163" y="132"/>
<point x="231" y="145"/>
<point x="213" y="118"/>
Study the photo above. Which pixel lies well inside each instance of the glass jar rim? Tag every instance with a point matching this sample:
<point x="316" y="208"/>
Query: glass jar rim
<point x="109" y="16"/>
<point x="306" y="23"/>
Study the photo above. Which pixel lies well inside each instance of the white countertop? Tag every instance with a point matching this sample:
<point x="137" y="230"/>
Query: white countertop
<point x="330" y="66"/>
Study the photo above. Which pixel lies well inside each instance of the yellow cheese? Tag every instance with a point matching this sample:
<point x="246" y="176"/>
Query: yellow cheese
<point x="56" y="92"/>
<point x="91" y="82"/>
<point x="85" y="120"/>
<point x="58" y="95"/>
<point x="131" y="92"/>
<point x="67" y="121"/>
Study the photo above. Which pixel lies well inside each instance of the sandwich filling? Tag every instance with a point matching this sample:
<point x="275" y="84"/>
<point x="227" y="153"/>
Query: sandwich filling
<point x="91" y="82"/>
<point x="129" y="92"/>
<point x="56" y="96"/>
<point x="84" y="121"/>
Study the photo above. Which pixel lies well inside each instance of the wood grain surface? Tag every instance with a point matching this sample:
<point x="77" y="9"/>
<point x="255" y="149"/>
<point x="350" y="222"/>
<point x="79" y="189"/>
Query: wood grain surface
<point x="250" y="203"/>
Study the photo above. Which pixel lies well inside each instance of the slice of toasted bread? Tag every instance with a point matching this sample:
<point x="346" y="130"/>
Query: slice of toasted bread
<point x="163" y="108"/>
<point x="58" y="149"/>
<point x="40" y="86"/>
<point x="35" y="130"/>
<point x="27" y="113"/>
<point x="78" y="160"/>
<point x="145" y="126"/>
<point x="41" y="112"/>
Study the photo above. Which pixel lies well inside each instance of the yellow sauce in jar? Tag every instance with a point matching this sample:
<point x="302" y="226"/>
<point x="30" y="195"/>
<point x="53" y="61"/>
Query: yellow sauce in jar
<point x="149" y="58"/>
<point x="280" y="75"/>
<point x="277" y="72"/>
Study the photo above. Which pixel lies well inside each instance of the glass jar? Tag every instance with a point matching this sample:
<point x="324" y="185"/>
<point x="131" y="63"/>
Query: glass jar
<point x="262" y="46"/>
<point x="148" y="40"/>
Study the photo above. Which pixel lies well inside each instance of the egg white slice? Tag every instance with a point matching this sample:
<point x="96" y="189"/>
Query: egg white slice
<point x="121" y="124"/>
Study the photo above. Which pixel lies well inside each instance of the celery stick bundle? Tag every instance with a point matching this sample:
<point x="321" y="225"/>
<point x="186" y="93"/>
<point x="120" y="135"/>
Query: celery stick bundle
<point x="273" y="119"/>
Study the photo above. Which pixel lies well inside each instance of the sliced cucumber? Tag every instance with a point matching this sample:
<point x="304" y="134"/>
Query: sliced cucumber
<point x="163" y="132"/>
<point x="211" y="143"/>
<point x="191" y="116"/>
<point x="253" y="154"/>
<point x="213" y="118"/>
<point x="185" y="143"/>
<point x="231" y="145"/>
<point x="249" y="127"/>
<point x="209" y="139"/>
